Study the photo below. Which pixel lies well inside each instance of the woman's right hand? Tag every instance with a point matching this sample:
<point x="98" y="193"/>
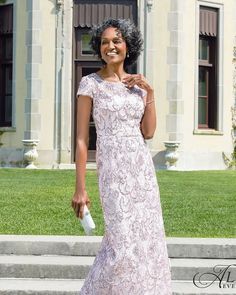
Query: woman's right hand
<point x="78" y="202"/>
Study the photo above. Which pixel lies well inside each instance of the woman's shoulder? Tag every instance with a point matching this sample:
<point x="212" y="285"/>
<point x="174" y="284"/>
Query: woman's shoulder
<point x="90" y="77"/>
<point x="87" y="85"/>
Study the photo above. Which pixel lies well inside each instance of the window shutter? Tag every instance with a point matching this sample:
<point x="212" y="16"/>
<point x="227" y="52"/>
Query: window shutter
<point x="208" y="21"/>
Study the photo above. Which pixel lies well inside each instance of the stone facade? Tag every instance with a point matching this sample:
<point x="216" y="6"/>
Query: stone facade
<point x="42" y="82"/>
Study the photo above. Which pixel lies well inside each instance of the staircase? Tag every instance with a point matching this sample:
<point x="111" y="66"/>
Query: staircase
<point x="56" y="265"/>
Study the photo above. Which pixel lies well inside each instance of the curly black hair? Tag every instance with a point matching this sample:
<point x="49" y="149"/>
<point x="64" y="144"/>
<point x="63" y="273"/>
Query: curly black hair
<point x="130" y="34"/>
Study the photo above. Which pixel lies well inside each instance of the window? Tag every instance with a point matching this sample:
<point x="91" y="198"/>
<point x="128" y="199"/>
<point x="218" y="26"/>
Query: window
<point x="207" y="74"/>
<point x="6" y="57"/>
<point x="85" y="39"/>
<point x="82" y="48"/>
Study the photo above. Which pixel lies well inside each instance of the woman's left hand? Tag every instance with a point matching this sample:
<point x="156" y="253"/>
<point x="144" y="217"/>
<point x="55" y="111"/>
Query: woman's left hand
<point x="139" y="80"/>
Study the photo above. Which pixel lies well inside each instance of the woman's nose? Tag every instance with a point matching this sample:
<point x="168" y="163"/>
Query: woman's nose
<point x="111" y="44"/>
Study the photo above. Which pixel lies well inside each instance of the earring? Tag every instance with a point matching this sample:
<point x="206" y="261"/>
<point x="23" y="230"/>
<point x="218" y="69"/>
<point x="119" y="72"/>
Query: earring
<point x="127" y="55"/>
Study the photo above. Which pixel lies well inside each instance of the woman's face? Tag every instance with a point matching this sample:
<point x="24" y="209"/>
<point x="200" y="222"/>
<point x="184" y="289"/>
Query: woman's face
<point x="113" y="47"/>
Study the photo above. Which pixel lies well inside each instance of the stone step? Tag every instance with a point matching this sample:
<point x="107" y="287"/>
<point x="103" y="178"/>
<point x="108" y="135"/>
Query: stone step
<point x="188" y="288"/>
<point x="10" y="286"/>
<point x="77" y="267"/>
<point x="59" y="267"/>
<point x="186" y="269"/>
<point x="89" y="245"/>
<point x="49" y="245"/>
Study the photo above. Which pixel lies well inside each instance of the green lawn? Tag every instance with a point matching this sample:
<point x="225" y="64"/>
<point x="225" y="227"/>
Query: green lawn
<point x="195" y="204"/>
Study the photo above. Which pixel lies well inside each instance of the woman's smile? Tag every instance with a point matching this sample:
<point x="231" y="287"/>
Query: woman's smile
<point x="112" y="53"/>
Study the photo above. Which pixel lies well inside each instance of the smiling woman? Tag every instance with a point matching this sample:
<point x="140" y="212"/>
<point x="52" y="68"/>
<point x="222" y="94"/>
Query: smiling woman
<point x="133" y="257"/>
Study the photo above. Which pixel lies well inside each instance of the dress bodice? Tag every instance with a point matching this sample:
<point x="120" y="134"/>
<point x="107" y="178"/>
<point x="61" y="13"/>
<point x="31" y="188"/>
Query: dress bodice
<point x="117" y="110"/>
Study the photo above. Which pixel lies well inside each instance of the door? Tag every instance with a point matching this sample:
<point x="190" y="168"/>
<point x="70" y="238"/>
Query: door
<point x="86" y="14"/>
<point x="85" y="63"/>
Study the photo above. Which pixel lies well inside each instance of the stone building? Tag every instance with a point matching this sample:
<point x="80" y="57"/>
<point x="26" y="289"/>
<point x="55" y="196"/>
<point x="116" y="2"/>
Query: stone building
<point x="189" y="54"/>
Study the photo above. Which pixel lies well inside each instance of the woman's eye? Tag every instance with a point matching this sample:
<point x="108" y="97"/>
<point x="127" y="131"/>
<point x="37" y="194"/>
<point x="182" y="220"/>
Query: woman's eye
<point x="104" y="42"/>
<point x="116" y="41"/>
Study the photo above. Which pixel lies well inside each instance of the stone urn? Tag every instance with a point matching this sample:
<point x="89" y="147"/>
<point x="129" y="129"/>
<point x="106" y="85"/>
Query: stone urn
<point x="172" y="154"/>
<point x="30" y="152"/>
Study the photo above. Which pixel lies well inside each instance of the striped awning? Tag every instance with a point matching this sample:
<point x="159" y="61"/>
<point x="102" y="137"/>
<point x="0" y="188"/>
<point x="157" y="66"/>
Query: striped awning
<point x="208" y="23"/>
<point x="91" y="12"/>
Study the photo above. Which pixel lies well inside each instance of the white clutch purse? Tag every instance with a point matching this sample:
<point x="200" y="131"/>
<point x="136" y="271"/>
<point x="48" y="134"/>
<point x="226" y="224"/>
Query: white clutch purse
<point x="87" y="222"/>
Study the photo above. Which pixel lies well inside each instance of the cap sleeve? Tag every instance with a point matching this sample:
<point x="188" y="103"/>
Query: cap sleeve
<point x="86" y="87"/>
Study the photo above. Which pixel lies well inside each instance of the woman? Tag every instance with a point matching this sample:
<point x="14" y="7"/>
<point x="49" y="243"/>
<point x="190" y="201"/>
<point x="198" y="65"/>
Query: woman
<point x="133" y="256"/>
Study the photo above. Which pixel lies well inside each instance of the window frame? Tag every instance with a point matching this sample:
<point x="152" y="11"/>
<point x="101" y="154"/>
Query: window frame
<point x="78" y="46"/>
<point x="4" y="64"/>
<point x="206" y="98"/>
<point x="210" y="65"/>
<point x="11" y="127"/>
<point x="218" y="128"/>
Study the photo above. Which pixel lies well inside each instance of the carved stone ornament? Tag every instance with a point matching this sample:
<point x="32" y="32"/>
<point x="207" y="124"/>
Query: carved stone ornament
<point x="60" y="2"/>
<point x="172" y="154"/>
<point x="149" y="4"/>
<point x="30" y="152"/>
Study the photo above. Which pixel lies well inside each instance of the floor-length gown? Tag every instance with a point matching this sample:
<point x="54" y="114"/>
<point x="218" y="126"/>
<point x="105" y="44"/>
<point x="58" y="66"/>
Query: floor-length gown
<point x="133" y="258"/>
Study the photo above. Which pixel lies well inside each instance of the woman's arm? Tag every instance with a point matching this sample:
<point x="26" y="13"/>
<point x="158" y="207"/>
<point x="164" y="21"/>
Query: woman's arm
<point x="148" y="122"/>
<point x="80" y="197"/>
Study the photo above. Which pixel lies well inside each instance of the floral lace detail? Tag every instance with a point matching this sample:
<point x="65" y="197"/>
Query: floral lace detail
<point x="133" y="258"/>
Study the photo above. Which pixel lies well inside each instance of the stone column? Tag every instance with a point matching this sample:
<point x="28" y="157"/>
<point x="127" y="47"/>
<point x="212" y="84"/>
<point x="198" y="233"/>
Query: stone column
<point x="174" y="119"/>
<point x="234" y="95"/>
<point x="148" y="30"/>
<point x="34" y="60"/>
<point x="63" y="74"/>
<point x="234" y="90"/>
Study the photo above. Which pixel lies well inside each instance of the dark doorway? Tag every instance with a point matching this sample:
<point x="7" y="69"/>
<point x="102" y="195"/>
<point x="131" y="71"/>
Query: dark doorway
<point x="86" y="14"/>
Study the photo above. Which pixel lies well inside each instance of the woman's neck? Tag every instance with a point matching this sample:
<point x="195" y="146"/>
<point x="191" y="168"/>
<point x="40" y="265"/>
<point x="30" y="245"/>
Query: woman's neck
<point x="113" y="71"/>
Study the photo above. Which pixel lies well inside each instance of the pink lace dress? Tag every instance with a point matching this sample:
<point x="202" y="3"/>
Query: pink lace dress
<point x="133" y="258"/>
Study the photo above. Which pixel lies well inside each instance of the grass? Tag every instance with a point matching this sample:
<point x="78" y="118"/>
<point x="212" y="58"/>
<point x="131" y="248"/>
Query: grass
<point x="194" y="204"/>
